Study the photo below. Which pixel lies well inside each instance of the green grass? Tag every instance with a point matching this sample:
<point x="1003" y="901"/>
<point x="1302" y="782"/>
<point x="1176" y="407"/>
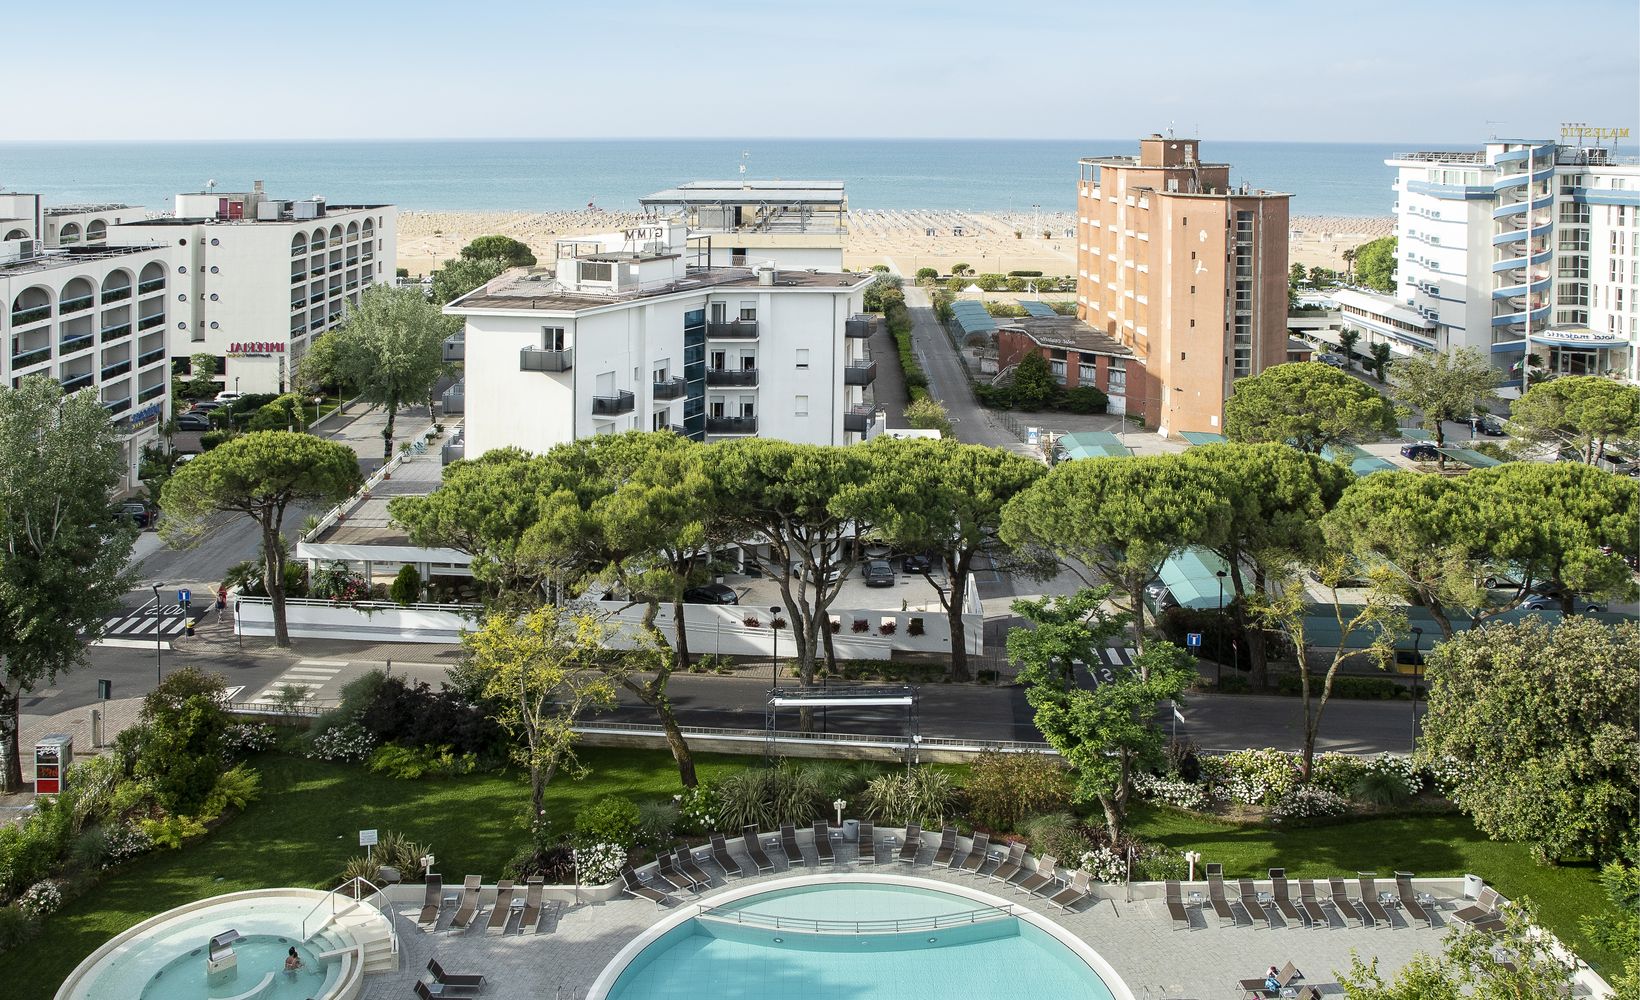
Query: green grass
<point x="306" y="825"/>
<point x="1426" y="844"/>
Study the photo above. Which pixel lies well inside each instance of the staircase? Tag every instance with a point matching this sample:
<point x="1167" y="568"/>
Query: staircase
<point x="368" y="929"/>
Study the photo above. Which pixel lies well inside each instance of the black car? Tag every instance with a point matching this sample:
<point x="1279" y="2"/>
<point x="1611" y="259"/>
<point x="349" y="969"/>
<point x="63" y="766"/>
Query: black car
<point x="1489" y="425"/>
<point x="193" y="422"/>
<point x="711" y="593"/>
<point x="916" y="562"/>
<point x="137" y="513"/>
<point x="1420" y="452"/>
<point x="1551" y="602"/>
<point x="879" y="573"/>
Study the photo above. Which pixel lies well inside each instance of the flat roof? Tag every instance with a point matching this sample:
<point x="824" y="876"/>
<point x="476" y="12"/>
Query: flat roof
<point x="1067" y="332"/>
<point x="740" y="191"/>
<point x="1382" y="305"/>
<point x="84" y="209"/>
<point x="71" y="255"/>
<point x="523" y="289"/>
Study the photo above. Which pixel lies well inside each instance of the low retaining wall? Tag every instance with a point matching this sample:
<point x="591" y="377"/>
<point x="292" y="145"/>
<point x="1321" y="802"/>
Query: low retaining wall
<point x="381" y="621"/>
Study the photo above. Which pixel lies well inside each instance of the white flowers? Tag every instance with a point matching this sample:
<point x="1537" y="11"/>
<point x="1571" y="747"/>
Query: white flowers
<point x="1308" y="802"/>
<point x="1172" y="791"/>
<point x="42" y="898"/>
<point x="122" y="843"/>
<point x="599" y="863"/>
<point x="1103" y="864"/>
<point x="349" y="743"/>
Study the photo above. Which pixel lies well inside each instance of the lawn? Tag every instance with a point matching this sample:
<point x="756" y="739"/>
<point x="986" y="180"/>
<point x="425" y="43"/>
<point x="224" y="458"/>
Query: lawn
<point x="1427" y="844"/>
<point x="306" y="825"/>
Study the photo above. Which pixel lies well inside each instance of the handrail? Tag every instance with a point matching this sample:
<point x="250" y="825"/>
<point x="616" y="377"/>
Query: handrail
<point x="882" y="926"/>
<point x="353" y="884"/>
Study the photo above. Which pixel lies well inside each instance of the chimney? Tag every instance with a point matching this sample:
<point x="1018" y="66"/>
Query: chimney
<point x="765" y="276"/>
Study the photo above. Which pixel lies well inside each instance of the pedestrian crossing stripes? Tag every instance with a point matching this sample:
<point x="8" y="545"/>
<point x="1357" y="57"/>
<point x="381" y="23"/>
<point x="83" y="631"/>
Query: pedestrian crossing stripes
<point x="1113" y="662"/>
<point x="303" y="682"/>
<point x="150" y="622"/>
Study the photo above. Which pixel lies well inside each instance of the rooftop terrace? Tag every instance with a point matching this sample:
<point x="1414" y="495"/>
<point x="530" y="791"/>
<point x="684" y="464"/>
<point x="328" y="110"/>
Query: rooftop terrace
<point x="523" y="289"/>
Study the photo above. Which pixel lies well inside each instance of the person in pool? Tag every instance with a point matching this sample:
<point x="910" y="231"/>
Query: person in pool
<point x="293" y="961"/>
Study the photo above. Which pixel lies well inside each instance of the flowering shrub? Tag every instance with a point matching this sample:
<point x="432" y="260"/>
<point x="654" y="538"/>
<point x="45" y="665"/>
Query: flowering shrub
<point x="41" y="899"/>
<point x="599" y="863"/>
<point x="1308" y="802"/>
<point x="349" y="743"/>
<point x="1171" y="791"/>
<point x="860" y="625"/>
<point x="1337" y="772"/>
<point x="1259" y="777"/>
<point x="122" y="843"/>
<point x="1446" y="773"/>
<point x="697" y="809"/>
<point x="1104" y="864"/>
<point x="243" y="739"/>
<point x="1404" y="768"/>
<point x="888" y="628"/>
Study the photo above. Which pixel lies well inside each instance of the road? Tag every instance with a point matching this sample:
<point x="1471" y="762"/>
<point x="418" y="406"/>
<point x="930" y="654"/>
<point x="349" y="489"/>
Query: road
<point x="948" y="379"/>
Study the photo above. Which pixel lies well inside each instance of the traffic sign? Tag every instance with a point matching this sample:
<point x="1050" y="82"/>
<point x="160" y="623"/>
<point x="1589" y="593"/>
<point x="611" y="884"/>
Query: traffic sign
<point x="1193" y="640"/>
<point x="183" y="597"/>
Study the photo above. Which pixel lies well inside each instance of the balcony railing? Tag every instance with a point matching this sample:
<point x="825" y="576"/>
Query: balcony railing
<point x="672" y="388"/>
<point x="76" y="343"/>
<point x="116" y="294"/>
<point x="149" y="357"/>
<point x="116" y="369"/>
<point x="117" y="405"/>
<point x="858" y="419"/>
<point x="21" y="317"/>
<point x="535" y="359"/>
<point x="151" y="285"/>
<point x="149" y="322"/>
<point x="296" y="304"/>
<point x="731" y="377"/>
<point x="33" y="357"/>
<point x="75" y="382"/>
<point x="78" y="303"/>
<point x="859" y="327"/>
<point x="116" y="332"/>
<point x="860" y="372"/>
<point x="614" y="406"/>
<point x="455" y="349"/>
<point x="157" y="389"/>
<point x="731" y="425"/>
<point x="740" y="329"/>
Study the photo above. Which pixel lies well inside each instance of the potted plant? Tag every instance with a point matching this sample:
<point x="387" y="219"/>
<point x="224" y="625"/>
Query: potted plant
<point x="860" y="625"/>
<point x="914" y="627"/>
<point x="836" y="626"/>
<point x="750" y="621"/>
<point x="888" y="627"/>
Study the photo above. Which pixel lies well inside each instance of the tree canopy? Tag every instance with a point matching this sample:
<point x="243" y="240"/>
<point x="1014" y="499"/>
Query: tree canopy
<point x="1375" y="264"/>
<point x="260" y="475"/>
<point x="1444" y="386"/>
<point x="62" y="549"/>
<point x="1582" y="414"/>
<point x="503" y="248"/>
<point x="1308" y="405"/>
<point x="1540" y="717"/>
<point x="1513" y="962"/>
<point x="460" y="276"/>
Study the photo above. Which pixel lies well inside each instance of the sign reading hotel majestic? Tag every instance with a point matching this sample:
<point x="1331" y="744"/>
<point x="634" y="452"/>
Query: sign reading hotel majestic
<point x="255" y="349"/>
<point x="1578" y="130"/>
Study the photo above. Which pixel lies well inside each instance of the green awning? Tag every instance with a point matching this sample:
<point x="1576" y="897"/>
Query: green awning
<point x="1203" y="437"/>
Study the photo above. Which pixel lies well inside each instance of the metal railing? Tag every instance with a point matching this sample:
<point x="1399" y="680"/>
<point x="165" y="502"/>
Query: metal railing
<point x="740" y="329"/>
<point x="887" y="925"/>
<point x="897" y="744"/>
<point x="353" y="884"/>
<point x="731" y="377"/>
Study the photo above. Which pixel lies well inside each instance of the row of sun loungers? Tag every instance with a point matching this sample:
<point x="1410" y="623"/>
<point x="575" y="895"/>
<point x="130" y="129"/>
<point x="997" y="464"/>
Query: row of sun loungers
<point x="447" y="984"/>
<point x="468" y="908"/>
<point x="1308" y="909"/>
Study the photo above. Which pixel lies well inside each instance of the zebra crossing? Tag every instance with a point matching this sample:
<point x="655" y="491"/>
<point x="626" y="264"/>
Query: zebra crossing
<point x="1113" y="662"/>
<point x="303" y="682"/>
<point x="151" y="622"/>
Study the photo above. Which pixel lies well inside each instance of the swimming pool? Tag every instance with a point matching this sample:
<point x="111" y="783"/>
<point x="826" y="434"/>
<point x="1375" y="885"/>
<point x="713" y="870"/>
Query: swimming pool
<point x="864" y="937"/>
<point x="184" y="978"/>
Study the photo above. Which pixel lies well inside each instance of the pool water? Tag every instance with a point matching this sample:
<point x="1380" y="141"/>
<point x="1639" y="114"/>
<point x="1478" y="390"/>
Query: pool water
<point x="183" y="978"/>
<point x="997" y="959"/>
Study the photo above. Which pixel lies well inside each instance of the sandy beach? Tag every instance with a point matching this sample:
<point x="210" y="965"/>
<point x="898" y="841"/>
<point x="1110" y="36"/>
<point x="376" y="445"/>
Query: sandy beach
<point x="903" y="239"/>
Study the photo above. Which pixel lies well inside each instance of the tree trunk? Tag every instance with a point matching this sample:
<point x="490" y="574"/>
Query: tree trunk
<point x="653" y="694"/>
<point x="387" y="433"/>
<point x="12" y="781"/>
<point x="1113" y="817"/>
<point x="1258" y="649"/>
<point x="1137" y="596"/>
<point x="676" y="743"/>
<point x="957" y="582"/>
<point x="1440" y="445"/>
<point x="273" y="579"/>
<point x="681" y="652"/>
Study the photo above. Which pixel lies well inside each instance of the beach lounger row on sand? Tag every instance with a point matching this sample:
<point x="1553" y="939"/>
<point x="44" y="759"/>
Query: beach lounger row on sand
<point x="1309" y="909"/>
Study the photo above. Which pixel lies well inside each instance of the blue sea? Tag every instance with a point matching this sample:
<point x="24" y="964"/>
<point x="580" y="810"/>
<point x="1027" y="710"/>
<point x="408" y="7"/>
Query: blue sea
<point x="1347" y="179"/>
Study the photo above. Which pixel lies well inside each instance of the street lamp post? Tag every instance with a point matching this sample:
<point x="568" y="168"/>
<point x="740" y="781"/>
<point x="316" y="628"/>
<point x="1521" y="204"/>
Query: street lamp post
<point x="774" y="657"/>
<point x="157" y="634"/>
<point x="1218" y="640"/>
<point x="1417" y="674"/>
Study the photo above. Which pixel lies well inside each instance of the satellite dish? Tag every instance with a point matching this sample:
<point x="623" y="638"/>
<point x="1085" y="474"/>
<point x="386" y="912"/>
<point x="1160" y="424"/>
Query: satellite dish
<point x="210" y="185"/>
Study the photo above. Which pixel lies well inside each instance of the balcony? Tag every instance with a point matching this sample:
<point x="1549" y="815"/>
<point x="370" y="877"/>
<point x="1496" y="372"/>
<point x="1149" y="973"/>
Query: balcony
<point x="69" y="345"/>
<point x="116" y="332"/>
<point x="117" y="405"/>
<point x="743" y="378"/>
<point x="858" y="419"/>
<point x="150" y="322"/>
<point x="614" y="406"/>
<point x="860" y="372"/>
<point x="23" y="317"/>
<point x="740" y="329"/>
<point x="28" y="358"/>
<point x="149" y="357"/>
<point x="75" y="382"/>
<point x="116" y="294"/>
<point x="78" y="303"/>
<point x="535" y="359"/>
<point x="116" y="369"/>
<point x="731" y="425"/>
<point x="157" y="389"/>
<point x="672" y="388"/>
<point x="859" y="327"/>
<point x="150" y="286"/>
<point x="296" y="304"/>
<point x="455" y="349"/>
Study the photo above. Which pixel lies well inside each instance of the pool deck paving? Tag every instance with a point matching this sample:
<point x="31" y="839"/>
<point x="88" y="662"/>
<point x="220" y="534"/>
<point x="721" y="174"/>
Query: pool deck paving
<point x="1137" y="938"/>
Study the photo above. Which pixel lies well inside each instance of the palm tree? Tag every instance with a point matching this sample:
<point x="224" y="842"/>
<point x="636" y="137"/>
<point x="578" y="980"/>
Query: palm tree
<point x="1349" y="266"/>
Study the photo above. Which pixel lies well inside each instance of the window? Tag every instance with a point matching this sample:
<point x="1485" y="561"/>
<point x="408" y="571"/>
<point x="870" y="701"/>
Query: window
<point x="552" y="338"/>
<point x="748" y="312"/>
<point x="802" y="408"/>
<point x="720" y="312"/>
<point x="803" y="362"/>
<point x="748" y="406"/>
<point x="593" y="270"/>
<point x="662" y="374"/>
<point x="719" y="361"/>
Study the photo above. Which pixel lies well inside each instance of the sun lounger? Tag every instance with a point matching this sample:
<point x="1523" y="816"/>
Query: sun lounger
<point x="1484" y="913"/>
<point x="1256" y="910"/>
<point x="1068" y="897"/>
<point x="979" y="852"/>
<point x="1289" y="975"/>
<point x="1042" y="876"/>
<point x="947" y="848"/>
<point x="465" y="979"/>
<point x="1369" y="897"/>
<point x="432" y="902"/>
<point x="1341" y="903"/>
<point x="823" y="854"/>
<point x="691" y="870"/>
<point x="468" y="909"/>
<point x="1311" y="905"/>
<point x="635" y="887"/>
<point x="754" y="850"/>
<point x="1409" y="900"/>
<point x="668" y="872"/>
<point x="1175" y="906"/>
<point x="1012" y="864"/>
<point x="1283" y="902"/>
<point x="1215" y="892"/>
<point x="501" y="912"/>
<point x="530" y="918"/>
<point x="913" y="844"/>
<point x="722" y="858"/>
<point x="788" y="844"/>
<point x="866" y="852"/>
<point x="437" y="991"/>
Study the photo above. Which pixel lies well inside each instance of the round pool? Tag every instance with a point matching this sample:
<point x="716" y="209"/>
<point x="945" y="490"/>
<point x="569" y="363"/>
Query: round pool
<point x="862" y="937"/>
<point x="259" y="956"/>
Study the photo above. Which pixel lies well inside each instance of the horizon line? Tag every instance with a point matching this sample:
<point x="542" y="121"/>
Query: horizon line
<point x="725" y="138"/>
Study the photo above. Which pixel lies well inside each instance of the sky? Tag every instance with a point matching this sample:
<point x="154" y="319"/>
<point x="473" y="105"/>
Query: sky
<point x="1257" y="70"/>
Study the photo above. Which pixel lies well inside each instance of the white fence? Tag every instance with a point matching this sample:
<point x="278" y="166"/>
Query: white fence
<point x="374" y="621"/>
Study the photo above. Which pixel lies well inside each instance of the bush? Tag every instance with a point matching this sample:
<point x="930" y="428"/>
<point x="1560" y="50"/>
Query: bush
<point x="181" y="739"/>
<point x="657" y="824"/>
<point x="598" y="864"/>
<point x="172" y="831"/>
<point x="1255" y="777"/>
<point x="922" y="795"/>
<point x="1059" y="834"/>
<point x="1365" y="688"/>
<point x="1024" y="274"/>
<point x="412" y="714"/>
<point x="414" y="763"/>
<point x="1308" y="802"/>
<point x="242" y="739"/>
<point x="393" y="850"/>
<point x="42" y="899"/>
<point x="406" y="586"/>
<point x="1083" y="399"/>
<point x="1171" y="791"/>
<point x="927" y="274"/>
<point x="1380" y="788"/>
<point x="697" y="809"/>
<point x="16" y="927"/>
<point x="122" y="843"/>
<point x="767" y="798"/>
<point x="610" y="820"/>
<point x="346" y="744"/>
<point x="1004" y="788"/>
<point x="210" y="439"/>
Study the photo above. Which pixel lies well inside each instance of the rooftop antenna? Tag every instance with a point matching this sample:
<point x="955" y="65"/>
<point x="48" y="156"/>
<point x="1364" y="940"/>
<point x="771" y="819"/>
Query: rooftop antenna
<point x="210" y="185"/>
<point x="1170" y="130"/>
<point x="1493" y="121"/>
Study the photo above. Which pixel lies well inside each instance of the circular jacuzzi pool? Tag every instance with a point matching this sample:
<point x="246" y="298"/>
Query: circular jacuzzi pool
<point x="860" y="937"/>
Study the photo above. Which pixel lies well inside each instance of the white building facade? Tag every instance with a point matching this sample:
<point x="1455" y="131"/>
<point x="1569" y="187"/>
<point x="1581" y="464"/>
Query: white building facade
<point x="629" y="334"/>
<point x="797" y="224"/>
<point x="95" y="319"/>
<point x="257" y="278"/>
<point x="1522" y="247"/>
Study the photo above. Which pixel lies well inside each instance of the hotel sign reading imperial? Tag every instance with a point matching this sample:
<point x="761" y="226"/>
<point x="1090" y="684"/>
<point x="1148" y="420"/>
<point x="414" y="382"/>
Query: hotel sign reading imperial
<point x="255" y="349"/>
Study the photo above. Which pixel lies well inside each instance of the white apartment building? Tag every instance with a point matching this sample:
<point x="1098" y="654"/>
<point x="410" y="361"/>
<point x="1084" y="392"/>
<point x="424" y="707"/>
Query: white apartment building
<point x="25" y="216"/>
<point x="256" y="278"/>
<point x="1521" y="247"/>
<point x="637" y="330"/>
<point x="797" y="224"/>
<point x="95" y="319"/>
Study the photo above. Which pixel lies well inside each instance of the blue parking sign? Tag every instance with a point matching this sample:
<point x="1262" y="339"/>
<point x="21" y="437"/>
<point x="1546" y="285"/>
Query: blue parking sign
<point x="184" y="596"/>
<point x="1193" y="640"/>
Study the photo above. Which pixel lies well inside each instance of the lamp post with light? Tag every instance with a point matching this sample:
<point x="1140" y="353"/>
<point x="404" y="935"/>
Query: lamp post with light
<point x="1417" y="674"/>
<point x="157" y="635"/>
<point x="1218" y="640"/>
<point x="774" y="656"/>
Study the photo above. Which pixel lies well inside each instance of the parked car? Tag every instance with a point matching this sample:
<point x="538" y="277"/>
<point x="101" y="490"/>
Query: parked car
<point x="916" y="562"/>
<point x="138" y="513"/>
<point x="1333" y="360"/>
<point x="1489" y="425"/>
<point x="1420" y="452"/>
<point x="801" y="571"/>
<point x="227" y="397"/>
<point x="205" y="406"/>
<point x="1551" y="602"/>
<point x="193" y="422"/>
<point x="879" y="573"/>
<point x="711" y="593"/>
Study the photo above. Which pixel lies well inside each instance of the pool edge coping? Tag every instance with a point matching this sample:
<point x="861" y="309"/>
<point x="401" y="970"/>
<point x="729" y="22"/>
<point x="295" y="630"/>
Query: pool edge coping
<point x="599" y="990"/>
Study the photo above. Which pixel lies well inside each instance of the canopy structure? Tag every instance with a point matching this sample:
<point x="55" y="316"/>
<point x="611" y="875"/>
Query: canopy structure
<point x="972" y="317"/>
<point x="1038" y="309"/>
<point x="845" y="697"/>
<point x="1360" y="462"/>
<point x="1091" y="444"/>
<point x="1203" y="437"/>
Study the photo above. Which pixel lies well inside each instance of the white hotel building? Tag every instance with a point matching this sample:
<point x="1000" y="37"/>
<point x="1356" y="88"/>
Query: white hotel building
<point x="638" y="330"/>
<point x="95" y="319"/>
<point x="256" y="278"/>
<point x="1521" y="243"/>
<point x="25" y="216"/>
